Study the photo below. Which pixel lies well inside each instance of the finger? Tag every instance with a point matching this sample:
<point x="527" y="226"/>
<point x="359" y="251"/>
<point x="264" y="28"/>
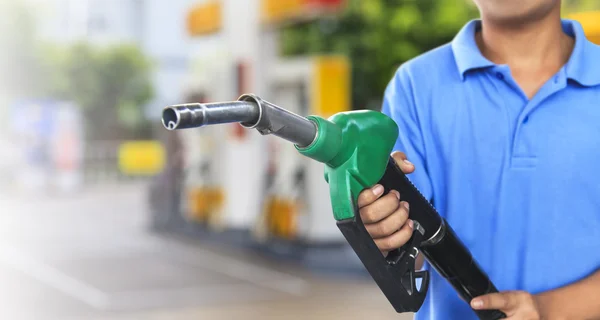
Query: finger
<point x="402" y="162"/>
<point x="396" y="240"/>
<point x="504" y="301"/>
<point x="389" y="225"/>
<point x="381" y="208"/>
<point x="368" y="196"/>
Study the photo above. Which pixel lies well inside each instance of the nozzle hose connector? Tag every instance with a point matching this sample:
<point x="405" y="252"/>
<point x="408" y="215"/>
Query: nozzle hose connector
<point x="250" y="111"/>
<point x="277" y="121"/>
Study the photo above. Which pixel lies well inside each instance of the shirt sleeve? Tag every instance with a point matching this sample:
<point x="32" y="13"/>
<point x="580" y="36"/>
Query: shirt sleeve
<point x="399" y="104"/>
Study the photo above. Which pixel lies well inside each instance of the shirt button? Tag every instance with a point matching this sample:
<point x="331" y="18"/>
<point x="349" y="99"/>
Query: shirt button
<point x="499" y="76"/>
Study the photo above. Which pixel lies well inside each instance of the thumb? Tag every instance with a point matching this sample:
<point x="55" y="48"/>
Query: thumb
<point x="402" y="162"/>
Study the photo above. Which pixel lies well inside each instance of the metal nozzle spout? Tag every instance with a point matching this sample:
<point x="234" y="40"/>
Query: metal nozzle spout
<point x="170" y="118"/>
<point x="250" y="111"/>
<point x="194" y="115"/>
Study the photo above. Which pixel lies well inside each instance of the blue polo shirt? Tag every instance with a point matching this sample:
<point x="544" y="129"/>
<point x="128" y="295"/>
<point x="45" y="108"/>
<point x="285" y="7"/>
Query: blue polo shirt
<point x="518" y="179"/>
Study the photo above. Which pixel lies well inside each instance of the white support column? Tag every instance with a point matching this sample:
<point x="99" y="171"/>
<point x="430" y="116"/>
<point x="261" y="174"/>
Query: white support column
<point x="244" y="161"/>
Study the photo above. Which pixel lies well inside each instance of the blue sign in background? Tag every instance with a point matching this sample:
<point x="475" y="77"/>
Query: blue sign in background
<point x="33" y="124"/>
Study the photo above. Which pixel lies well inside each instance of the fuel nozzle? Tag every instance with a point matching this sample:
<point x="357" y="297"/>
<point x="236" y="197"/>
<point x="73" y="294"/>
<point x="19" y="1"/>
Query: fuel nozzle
<point x="250" y="111"/>
<point x="356" y="147"/>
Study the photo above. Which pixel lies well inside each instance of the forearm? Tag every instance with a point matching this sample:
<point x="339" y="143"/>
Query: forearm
<point x="580" y="300"/>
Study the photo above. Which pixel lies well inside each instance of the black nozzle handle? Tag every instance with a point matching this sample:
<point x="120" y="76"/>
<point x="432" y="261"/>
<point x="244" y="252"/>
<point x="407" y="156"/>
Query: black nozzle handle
<point x="442" y="247"/>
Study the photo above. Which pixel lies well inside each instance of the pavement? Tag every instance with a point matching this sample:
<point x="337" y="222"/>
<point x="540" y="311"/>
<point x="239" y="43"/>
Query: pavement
<point x="91" y="255"/>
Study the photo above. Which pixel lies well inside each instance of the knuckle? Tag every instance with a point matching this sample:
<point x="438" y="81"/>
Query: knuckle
<point x="400" y="219"/>
<point x="391" y="204"/>
<point x="388" y="244"/>
<point x="388" y="205"/>
<point x="384" y="228"/>
<point x="399" y="160"/>
<point x="402" y="236"/>
<point x="398" y="155"/>
<point x="524" y="297"/>
<point x="367" y="214"/>
<point x="365" y="197"/>
<point x="381" y="245"/>
<point x="486" y="301"/>
<point x="403" y="213"/>
<point x="392" y="196"/>
<point x="379" y="209"/>
<point x="406" y="231"/>
<point x="531" y="315"/>
<point x="363" y="194"/>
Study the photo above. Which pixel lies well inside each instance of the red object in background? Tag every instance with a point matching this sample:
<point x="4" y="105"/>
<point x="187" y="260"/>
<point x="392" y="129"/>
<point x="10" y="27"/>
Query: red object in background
<point x="66" y="157"/>
<point x="272" y="163"/>
<point x="239" y="132"/>
<point x="329" y="4"/>
<point x="242" y="78"/>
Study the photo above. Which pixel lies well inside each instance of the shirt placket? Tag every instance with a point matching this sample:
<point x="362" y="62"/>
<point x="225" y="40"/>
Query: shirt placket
<point x="517" y="179"/>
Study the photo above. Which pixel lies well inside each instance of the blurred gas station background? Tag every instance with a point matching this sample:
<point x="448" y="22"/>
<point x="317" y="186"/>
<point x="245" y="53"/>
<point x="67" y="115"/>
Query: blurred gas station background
<point x="106" y="215"/>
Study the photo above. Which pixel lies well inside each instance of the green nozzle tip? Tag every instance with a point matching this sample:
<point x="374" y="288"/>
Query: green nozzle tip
<point x="328" y="142"/>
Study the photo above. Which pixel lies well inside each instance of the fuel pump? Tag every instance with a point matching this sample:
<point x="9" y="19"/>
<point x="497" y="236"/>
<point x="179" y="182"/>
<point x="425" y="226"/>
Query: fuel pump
<point x="201" y="200"/>
<point x="295" y="192"/>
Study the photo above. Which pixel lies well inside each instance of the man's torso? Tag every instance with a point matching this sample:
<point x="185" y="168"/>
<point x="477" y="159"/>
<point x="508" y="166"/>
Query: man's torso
<point x="518" y="180"/>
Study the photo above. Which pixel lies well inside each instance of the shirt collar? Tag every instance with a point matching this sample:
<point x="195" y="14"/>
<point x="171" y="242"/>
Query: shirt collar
<point x="582" y="66"/>
<point x="465" y="49"/>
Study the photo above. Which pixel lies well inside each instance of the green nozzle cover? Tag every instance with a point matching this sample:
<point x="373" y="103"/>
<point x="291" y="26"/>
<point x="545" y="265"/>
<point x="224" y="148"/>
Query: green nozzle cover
<point x="355" y="147"/>
<point x="327" y="143"/>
